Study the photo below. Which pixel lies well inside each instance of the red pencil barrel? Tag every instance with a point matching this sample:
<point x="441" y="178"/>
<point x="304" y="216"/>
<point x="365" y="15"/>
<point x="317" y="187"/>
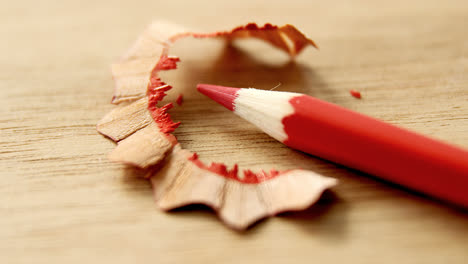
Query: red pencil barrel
<point x="367" y="144"/>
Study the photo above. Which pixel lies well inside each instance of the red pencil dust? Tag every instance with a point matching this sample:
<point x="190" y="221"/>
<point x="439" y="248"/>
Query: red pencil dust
<point x="352" y="139"/>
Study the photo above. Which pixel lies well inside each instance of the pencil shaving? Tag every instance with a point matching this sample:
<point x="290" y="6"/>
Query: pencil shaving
<point x="132" y="72"/>
<point x="142" y="130"/>
<point x="125" y="120"/>
<point x="146" y="147"/>
<point x="181" y="182"/>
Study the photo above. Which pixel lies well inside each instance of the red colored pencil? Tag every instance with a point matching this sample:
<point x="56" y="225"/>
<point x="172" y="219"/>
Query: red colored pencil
<point x="346" y="137"/>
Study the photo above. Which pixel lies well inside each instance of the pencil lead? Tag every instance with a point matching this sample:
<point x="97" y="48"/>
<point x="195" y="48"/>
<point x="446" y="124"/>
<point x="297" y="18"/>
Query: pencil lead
<point x="223" y="95"/>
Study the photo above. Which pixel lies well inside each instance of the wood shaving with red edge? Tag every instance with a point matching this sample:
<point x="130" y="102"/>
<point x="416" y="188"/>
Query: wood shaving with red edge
<point x="238" y="202"/>
<point x="142" y="130"/>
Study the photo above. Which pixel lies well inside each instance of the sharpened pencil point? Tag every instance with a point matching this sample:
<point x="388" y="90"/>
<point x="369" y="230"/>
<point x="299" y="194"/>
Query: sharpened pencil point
<point x="221" y="94"/>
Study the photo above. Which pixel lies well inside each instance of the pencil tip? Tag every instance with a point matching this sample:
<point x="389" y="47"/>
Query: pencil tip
<point x="221" y="94"/>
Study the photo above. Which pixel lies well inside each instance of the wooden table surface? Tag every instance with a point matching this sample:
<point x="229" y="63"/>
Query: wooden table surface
<point x="63" y="202"/>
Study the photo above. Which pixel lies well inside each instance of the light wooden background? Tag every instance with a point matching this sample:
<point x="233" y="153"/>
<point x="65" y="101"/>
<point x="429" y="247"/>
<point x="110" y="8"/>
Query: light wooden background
<point x="61" y="201"/>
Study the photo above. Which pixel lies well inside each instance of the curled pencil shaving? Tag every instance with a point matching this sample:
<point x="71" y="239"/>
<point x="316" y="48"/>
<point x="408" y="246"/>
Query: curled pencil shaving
<point x="132" y="72"/>
<point x="142" y="130"/>
<point x="239" y="204"/>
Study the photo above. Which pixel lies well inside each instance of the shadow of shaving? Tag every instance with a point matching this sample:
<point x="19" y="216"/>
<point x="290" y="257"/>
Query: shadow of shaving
<point x="136" y="184"/>
<point x="238" y="68"/>
<point x="235" y="67"/>
<point x="201" y="210"/>
<point x="328" y="218"/>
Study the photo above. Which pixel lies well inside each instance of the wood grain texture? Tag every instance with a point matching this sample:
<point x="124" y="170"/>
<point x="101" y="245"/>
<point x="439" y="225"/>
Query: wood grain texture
<point x="63" y="201"/>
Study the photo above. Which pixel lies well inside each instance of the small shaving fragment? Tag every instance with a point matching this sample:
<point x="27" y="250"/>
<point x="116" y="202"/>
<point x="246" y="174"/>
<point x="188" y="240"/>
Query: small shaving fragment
<point x="180" y="99"/>
<point x="355" y="94"/>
